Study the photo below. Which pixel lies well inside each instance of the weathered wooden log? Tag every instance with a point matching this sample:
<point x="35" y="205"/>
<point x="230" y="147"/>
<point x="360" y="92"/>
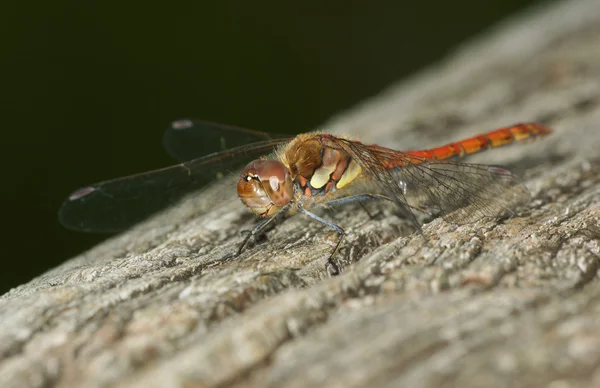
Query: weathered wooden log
<point x="496" y="303"/>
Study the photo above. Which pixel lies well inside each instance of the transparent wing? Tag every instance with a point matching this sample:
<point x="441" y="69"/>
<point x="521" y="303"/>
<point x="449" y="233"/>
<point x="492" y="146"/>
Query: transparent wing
<point x="460" y="192"/>
<point x="118" y="204"/>
<point x="189" y="139"/>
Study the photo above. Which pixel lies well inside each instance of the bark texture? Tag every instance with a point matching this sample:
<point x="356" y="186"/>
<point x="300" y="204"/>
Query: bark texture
<point x="509" y="303"/>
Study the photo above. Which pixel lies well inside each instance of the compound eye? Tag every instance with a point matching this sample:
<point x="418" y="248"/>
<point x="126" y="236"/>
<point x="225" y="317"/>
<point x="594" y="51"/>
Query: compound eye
<point x="279" y="187"/>
<point x="265" y="183"/>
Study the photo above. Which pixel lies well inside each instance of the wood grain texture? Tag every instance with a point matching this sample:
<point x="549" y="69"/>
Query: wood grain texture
<point x="510" y="303"/>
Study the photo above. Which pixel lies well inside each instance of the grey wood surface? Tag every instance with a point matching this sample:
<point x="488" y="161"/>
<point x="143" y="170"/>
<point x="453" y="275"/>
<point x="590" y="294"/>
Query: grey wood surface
<point x="509" y="303"/>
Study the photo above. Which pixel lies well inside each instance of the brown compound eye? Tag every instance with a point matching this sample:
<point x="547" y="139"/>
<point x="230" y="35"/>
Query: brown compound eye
<point x="265" y="186"/>
<point x="276" y="181"/>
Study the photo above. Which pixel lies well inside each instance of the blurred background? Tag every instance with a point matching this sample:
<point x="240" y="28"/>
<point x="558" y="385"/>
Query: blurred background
<point x="89" y="87"/>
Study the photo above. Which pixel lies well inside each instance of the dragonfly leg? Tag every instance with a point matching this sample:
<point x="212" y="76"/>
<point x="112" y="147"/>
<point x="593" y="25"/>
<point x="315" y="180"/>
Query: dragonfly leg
<point x="360" y="198"/>
<point x="371" y="216"/>
<point x="256" y="231"/>
<point x="354" y="198"/>
<point x="363" y="197"/>
<point x="335" y="270"/>
<point x="404" y="207"/>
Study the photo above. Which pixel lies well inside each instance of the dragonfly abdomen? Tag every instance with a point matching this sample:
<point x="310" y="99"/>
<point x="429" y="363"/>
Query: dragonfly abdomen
<point x="498" y="138"/>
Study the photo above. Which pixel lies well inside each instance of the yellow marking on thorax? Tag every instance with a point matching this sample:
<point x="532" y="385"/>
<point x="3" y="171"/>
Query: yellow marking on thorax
<point x="321" y="176"/>
<point x="350" y="174"/>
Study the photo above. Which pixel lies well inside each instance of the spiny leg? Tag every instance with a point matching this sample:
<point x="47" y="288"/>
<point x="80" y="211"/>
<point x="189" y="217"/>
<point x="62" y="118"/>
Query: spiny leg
<point x="354" y="198"/>
<point x="371" y="216"/>
<point x="364" y="197"/>
<point x="342" y="234"/>
<point x="257" y="230"/>
<point x="360" y="198"/>
<point x="329" y="207"/>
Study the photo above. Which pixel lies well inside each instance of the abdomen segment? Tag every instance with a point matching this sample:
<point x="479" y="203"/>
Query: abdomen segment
<point x="480" y="143"/>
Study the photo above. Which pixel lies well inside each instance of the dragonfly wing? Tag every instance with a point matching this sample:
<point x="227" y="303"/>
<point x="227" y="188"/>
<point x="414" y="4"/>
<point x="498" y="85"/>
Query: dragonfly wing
<point x="118" y="204"/>
<point x="188" y="139"/>
<point x="376" y="179"/>
<point x="460" y="192"/>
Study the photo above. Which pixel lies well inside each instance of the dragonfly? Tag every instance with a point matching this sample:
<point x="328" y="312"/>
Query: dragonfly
<point x="289" y="175"/>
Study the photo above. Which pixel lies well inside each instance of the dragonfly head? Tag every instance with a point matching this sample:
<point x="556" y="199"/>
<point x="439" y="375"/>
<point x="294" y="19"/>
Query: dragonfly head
<point x="265" y="186"/>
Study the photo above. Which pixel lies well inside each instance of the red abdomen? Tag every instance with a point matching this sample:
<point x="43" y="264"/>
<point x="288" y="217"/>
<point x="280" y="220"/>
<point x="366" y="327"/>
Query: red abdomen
<point x="494" y="139"/>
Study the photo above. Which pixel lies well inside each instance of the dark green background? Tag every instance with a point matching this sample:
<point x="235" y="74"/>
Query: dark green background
<point x="88" y="87"/>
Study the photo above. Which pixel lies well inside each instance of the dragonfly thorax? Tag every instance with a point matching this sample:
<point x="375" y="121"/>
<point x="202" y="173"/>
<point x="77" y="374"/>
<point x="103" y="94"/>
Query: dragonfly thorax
<point x="265" y="186"/>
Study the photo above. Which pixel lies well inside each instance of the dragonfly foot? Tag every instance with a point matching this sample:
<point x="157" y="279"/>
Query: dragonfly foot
<point x="332" y="268"/>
